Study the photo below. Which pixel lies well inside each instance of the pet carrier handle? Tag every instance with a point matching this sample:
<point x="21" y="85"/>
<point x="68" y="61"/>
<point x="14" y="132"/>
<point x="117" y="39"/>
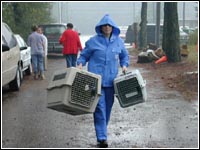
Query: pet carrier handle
<point x="124" y="72"/>
<point x="143" y="85"/>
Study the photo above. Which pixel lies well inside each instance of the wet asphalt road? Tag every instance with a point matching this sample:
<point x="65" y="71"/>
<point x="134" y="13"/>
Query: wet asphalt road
<point x="165" y="120"/>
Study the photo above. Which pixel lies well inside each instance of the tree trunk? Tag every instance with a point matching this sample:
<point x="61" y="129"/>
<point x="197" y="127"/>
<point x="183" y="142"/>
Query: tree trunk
<point x="170" y="42"/>
<point x="143" y="27"/>
<point x="17" y="14"/>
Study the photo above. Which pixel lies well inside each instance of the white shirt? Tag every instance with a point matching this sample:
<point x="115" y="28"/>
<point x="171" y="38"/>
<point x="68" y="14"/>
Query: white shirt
<point x="45" y="44"/>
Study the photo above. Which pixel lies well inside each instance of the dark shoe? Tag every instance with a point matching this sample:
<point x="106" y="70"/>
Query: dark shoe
<point x="35" y="76"/>
<point x="102" y="144"/>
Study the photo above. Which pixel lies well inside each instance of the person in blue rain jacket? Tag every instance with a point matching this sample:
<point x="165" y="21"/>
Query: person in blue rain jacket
<point x="104" y="52"/>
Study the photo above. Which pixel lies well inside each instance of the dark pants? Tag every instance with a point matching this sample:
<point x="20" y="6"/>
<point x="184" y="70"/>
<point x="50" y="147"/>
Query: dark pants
<point x="71" y="60"/>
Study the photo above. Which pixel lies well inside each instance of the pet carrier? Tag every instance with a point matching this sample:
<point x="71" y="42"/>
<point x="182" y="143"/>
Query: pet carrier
<point x="74" y="91"/>
<point x="130" y="88"/>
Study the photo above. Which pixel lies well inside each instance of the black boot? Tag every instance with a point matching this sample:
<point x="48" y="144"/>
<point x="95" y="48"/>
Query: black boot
<point x="102" y="144"/>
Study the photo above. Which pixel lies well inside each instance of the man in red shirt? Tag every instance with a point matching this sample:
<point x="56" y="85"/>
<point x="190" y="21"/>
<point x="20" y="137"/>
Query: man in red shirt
<point x="71" y="43"/>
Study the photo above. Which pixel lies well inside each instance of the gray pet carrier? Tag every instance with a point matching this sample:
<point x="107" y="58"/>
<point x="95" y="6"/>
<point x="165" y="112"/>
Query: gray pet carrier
<point x="130" y="88"/>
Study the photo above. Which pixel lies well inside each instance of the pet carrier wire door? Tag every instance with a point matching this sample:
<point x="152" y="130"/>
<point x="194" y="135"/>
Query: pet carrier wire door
<point x="130" y="88"/>
<point x="74" y="91"/>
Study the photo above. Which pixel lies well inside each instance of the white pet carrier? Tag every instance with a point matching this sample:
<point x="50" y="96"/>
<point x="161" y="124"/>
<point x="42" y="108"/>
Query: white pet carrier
<point x="74" y="91"/>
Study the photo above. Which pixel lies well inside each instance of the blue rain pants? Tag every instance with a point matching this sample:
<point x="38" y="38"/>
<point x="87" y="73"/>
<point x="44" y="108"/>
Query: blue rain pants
<point x="102" y="112"/>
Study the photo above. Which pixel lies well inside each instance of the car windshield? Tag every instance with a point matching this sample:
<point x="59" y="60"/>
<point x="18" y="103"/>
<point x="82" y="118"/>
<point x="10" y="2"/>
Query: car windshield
<point x="8" y="36"/>
<point x="57" y="30"/>
<point x="20" y="41"/>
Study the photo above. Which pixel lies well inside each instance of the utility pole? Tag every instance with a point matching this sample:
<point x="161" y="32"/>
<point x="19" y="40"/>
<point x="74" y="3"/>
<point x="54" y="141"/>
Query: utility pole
<point x="67" y="7"/>
<point x="157" y="41"/>
<point x="134" y="12"/>
<point x="183" y="14"/>
<point x="60" y="12"/>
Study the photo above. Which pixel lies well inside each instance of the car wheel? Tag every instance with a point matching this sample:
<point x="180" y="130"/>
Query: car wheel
<point x="29" y="70"/>
<point x="16" y="83"/>
<point x="21" y="73"/>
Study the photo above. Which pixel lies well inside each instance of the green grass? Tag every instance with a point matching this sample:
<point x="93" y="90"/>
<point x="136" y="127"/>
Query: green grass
<point x="193" y="54"/>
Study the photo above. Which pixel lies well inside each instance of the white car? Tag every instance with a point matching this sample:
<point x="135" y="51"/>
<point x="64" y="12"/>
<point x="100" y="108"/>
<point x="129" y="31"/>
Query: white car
<point x="11" y="68"/>
<point x="123" y="30"/>
<point x="25" y="55"/>
<point x="184" y="37"/>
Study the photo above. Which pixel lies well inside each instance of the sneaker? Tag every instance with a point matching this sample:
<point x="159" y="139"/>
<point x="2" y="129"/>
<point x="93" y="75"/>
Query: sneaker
<point x="43" y="77"/>
<point x="102" y="144"/>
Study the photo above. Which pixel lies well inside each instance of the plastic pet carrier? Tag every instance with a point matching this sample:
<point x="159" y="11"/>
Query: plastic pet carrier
<point x="130" y="88"/>
<point x="74" y="91"/>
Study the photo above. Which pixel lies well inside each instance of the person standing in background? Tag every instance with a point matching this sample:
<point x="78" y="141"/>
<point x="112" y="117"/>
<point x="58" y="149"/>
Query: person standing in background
<point x="71" y="45"/>
<point x="40" y="30"/>
<point x="36" y="42"/>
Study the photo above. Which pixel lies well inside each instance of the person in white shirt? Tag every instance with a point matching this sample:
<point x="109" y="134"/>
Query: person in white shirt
<point x="40" y="30"/>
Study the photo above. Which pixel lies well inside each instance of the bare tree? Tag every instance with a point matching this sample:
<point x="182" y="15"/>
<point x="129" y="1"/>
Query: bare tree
<point x="170" y="42"/>
<point x="143" y="27"/>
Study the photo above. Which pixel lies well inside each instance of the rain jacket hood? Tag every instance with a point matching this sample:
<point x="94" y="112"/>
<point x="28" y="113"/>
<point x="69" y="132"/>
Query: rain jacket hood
<point x="107" y="20"/>
<point x="104" y="55"/>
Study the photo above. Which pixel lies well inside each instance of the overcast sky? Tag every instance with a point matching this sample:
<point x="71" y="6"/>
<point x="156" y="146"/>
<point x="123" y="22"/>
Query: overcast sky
<point x="85" y="15"/>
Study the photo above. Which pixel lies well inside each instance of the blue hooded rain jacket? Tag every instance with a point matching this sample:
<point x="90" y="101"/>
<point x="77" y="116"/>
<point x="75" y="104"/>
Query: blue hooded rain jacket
<point x="104" y="55"/>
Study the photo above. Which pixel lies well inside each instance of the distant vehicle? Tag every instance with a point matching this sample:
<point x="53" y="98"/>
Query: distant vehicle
<point x="53" y="31"/>
<point x="184" y="37"/>
<point x="84" y="38"/>
<point x="187" y="29"/>
<point x="11" y="68"/>
<point x="151" y="33"/>
<point x="151" y="28"/>
<point x="123" y="30"/>
<point x="25" y="55"/>
<point x="129" y="35"/>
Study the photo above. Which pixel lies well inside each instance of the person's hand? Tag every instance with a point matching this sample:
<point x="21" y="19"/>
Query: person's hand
<point x="80" y="66"/>
<point x="124" y="69"/>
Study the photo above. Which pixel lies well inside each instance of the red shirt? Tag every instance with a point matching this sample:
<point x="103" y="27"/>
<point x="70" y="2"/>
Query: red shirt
<point x="71" y="42"/>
